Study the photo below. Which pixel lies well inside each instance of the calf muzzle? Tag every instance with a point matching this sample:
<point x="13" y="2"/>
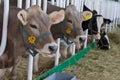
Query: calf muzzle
<point x="53" y="49"/>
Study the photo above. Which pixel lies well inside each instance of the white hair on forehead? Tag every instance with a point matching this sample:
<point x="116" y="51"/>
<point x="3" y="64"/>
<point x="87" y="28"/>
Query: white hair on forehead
<point x="99" y="22"/>
<point x="71" y="9"/>
<point x="35" y="8"/>
<point x="73" y="12"/>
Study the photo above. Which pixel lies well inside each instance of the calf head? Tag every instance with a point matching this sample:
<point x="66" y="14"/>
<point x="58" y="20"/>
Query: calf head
<point x="103" y="43"/>
<point x="94" y="24"/>
<point x="36" y="29"/>
<point x="105" y="21"/>
<point x="97" y="21"/>
<point x="73" y="21"/>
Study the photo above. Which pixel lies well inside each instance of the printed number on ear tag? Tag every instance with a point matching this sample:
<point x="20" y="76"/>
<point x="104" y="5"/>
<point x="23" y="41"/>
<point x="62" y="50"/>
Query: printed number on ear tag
<point x="68" y="30"/>
<point x="87" y="16"/>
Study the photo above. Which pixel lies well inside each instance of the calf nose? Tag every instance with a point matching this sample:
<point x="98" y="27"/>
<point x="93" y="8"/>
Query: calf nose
<point x="97" y="40"/>
<point x="82" y="39"/>
<point x="53" y="48"/>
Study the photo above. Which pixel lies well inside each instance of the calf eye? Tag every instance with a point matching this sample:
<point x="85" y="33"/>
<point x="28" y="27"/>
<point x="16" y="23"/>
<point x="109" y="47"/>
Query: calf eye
<point x="33" y="26"/>
<point x="69" y="21"/>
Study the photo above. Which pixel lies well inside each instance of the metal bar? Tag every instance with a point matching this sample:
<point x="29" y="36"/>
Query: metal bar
<point x="33" y="2"/>
<point x="67" y="3"/>
<point x="67" y="63"/>
<point x="39" y="3"/>
<point x="53" y="2"/>
<point x="19" y="3"/>
<point x="45" y="6"/>
<point x="27" y="4"/>
<point x="73" y="49"/>
<point x="57" y="56"/>
<point x="30" y="63"/>
<point x="5" y="24"/>
<point x="30" y="67"/>
<point x="57" y="2"/>
<point x="85" y="43"/>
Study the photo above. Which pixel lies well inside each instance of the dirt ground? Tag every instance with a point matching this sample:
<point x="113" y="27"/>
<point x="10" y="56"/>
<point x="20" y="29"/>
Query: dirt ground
<point x="96" y="65"/>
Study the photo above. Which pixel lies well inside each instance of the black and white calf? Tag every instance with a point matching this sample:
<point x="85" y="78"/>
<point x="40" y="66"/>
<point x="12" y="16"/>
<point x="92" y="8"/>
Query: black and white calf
<point x="104" y="42"/>
<point x="105" y="23"/>
<point x="94" y="24"/>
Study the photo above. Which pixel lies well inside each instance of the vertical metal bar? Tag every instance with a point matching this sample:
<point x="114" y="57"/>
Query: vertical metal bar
<point x="73" y="49"/>
<point x="64" y="3"/>
<point x="39" y="3"/>
<point x="61" y="3"/>
<point x="30" y="63"/>
<point x="33" y="2"/>
<point x="30" y="67"/>
<point x="45" y="6"/>
<point x="85" y="43"/>
<point x="57" y="2"/>
<point x="19" y="3"/>
<point x="76" y="4"/>
<point x="53" y="2"/>
<point x="5" y="24"/>
<point x="67" y="3"/>
<point x="57" y="56"/>
<point x="73" y="2"/>
<point x="27" y="4"/>
<point x="81" y="7"/>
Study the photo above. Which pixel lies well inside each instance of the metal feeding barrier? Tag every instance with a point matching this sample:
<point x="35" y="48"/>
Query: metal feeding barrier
<point x="112" y="8"/>
<point x="32" y="2"/>
<point x="109" y="9"/>
<point x="68" y="62"/>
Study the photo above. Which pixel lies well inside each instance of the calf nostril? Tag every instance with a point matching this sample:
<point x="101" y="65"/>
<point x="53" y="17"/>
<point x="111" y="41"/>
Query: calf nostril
<point x="53" y="48"/>
<point x="97" y="40"/>
<point x="82" y="39"/>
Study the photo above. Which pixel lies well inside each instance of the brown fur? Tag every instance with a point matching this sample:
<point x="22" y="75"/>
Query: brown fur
<point x="15" y="47"/>
<point x="57" y="30"/>
<point x="72" y="14"/>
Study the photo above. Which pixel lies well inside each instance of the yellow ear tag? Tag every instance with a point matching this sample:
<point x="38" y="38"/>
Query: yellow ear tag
<point x="86" y="17"/>
<point x="68" y="30"/>
<point x="32" y="39"/>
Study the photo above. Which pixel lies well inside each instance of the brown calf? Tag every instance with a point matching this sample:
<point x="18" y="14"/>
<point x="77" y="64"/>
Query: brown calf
<point x="70" y="27"/>
<point x="28" y="30"/>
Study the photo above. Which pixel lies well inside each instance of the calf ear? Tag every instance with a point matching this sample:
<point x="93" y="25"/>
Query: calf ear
<point x="57" y="16"/>
<point x="22" y="16"/>
<point x="87" y="15"/>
